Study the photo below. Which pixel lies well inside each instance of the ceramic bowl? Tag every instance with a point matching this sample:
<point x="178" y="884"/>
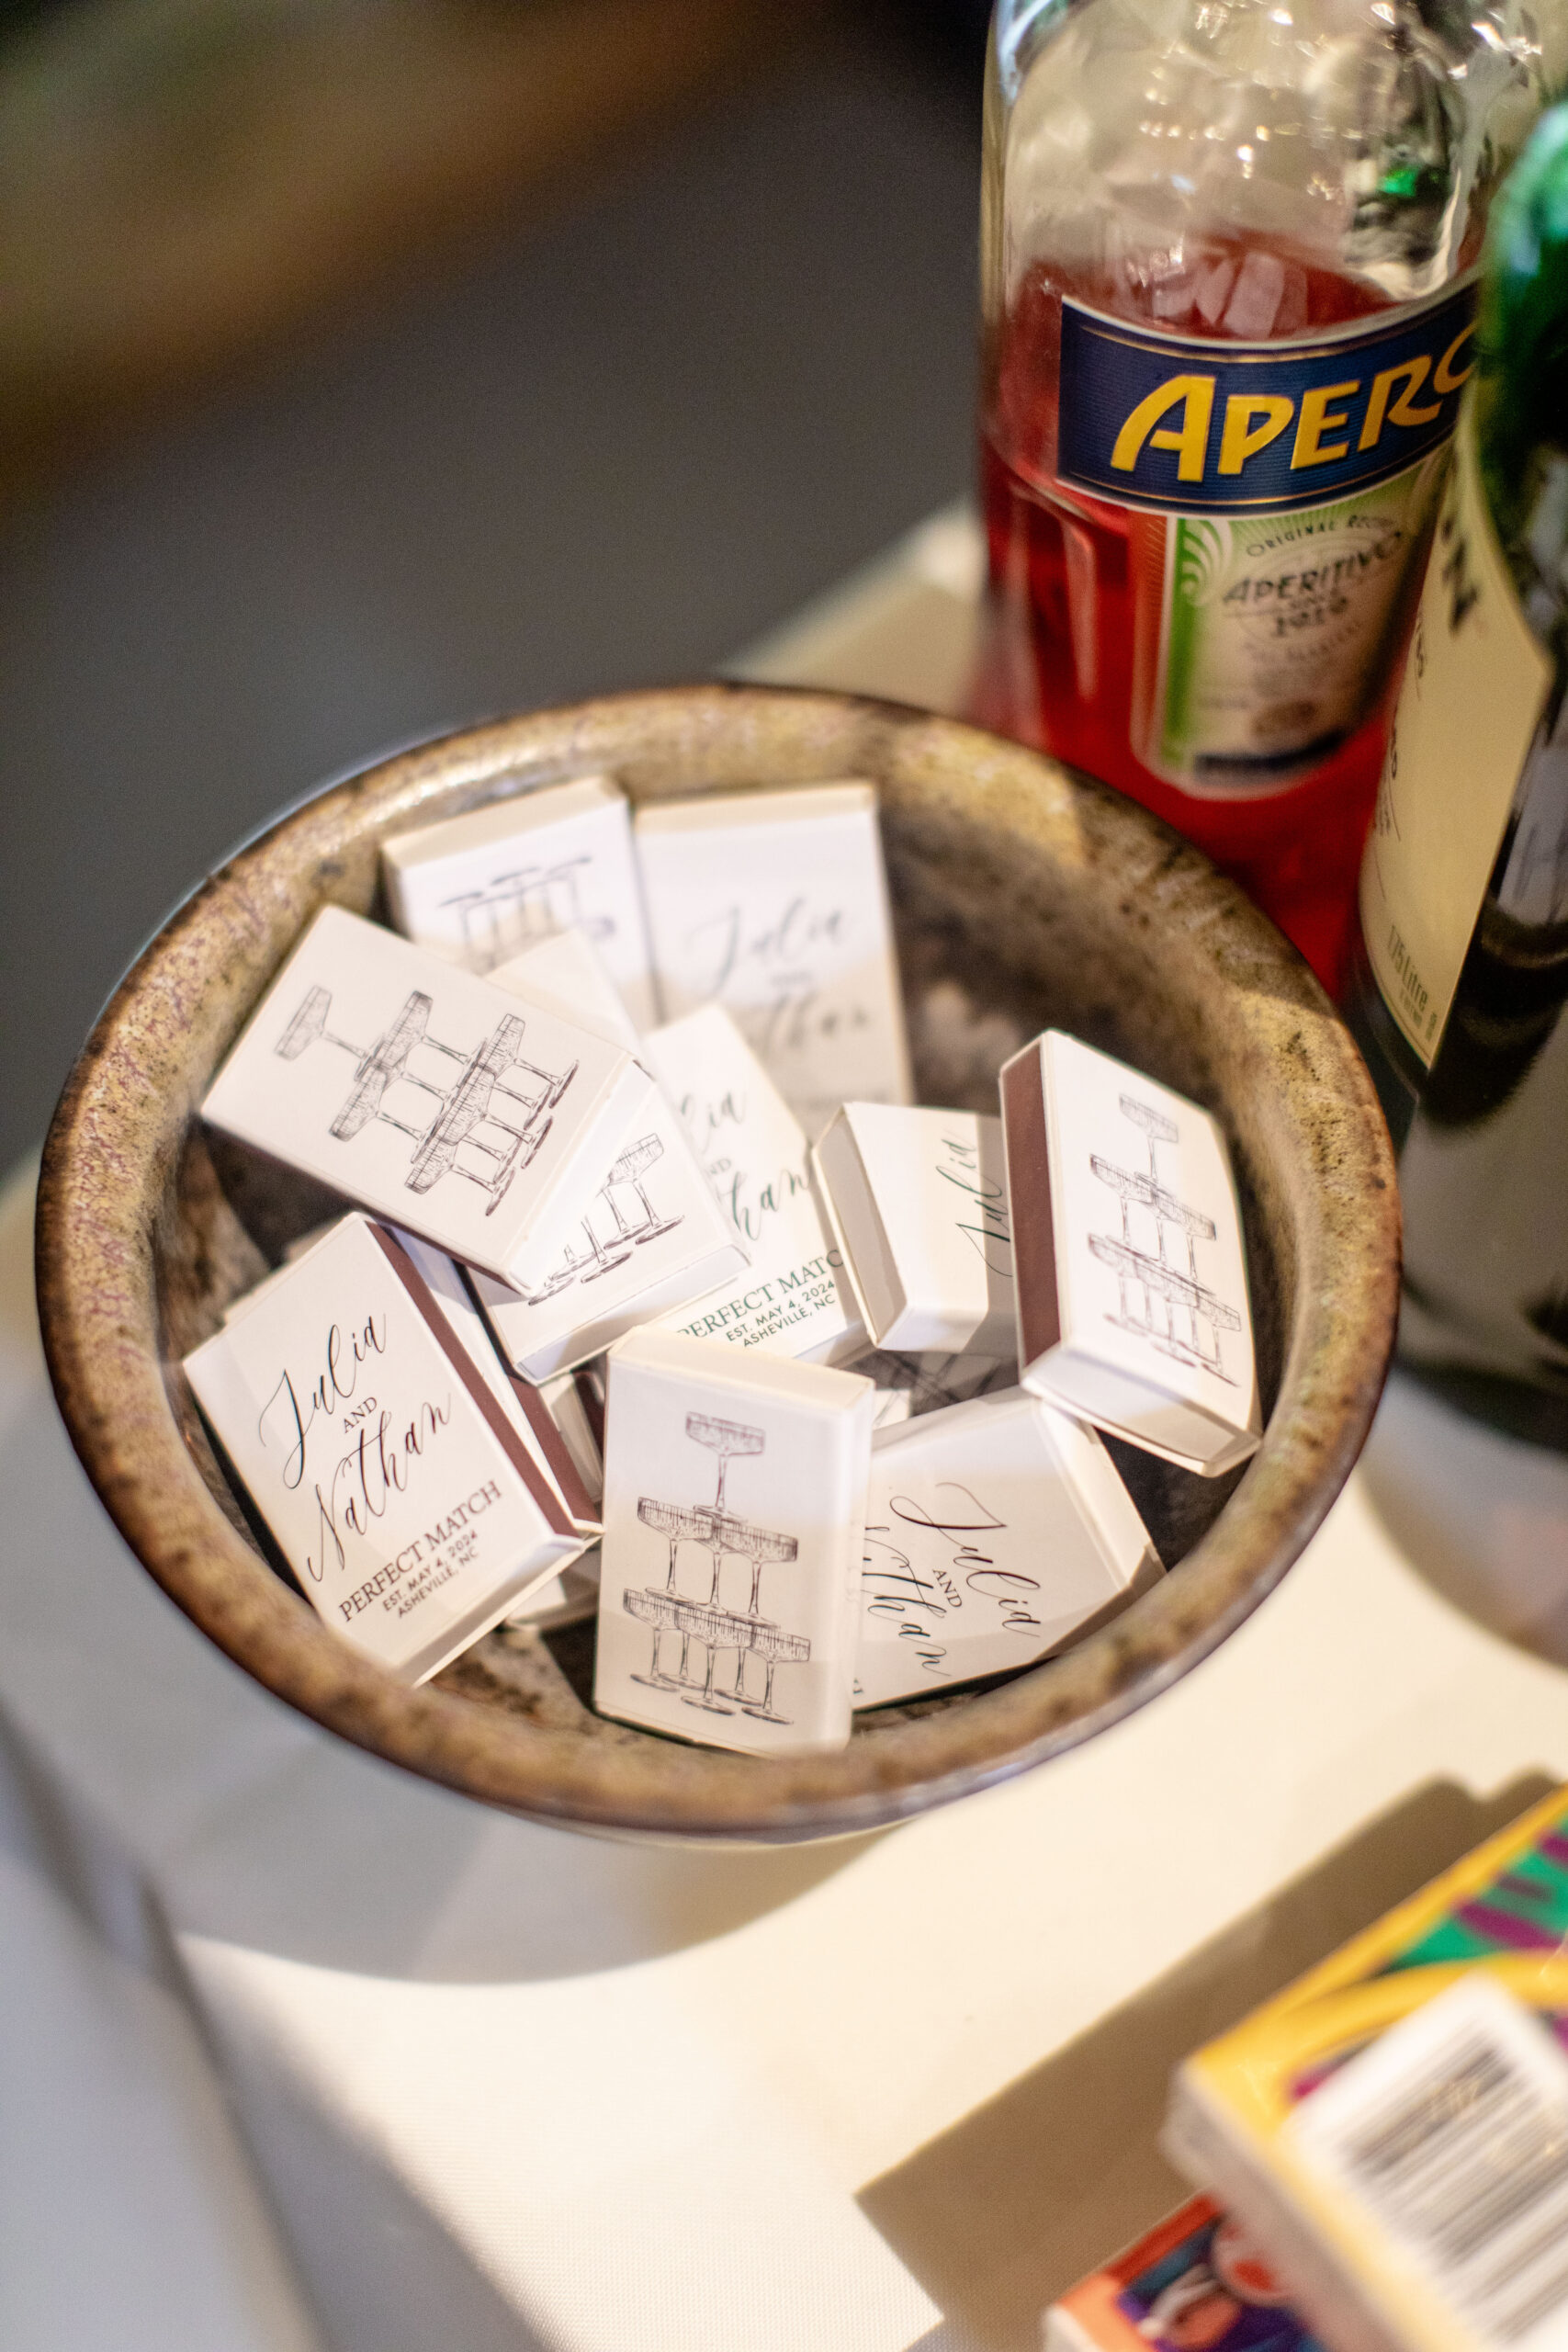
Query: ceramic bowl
<point x="1023" y="896"/>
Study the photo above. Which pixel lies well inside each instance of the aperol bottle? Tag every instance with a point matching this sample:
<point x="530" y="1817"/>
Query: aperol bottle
<point x="1228" y="302"/>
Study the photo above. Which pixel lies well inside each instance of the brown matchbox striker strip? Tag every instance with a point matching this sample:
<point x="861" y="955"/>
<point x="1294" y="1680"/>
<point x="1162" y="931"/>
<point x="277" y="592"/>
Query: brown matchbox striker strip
<point x="1028" y="1201"/>
<point x="553" y="1446"/>
<point x="592" y="1397"/>
<point x="506" y="1437"/>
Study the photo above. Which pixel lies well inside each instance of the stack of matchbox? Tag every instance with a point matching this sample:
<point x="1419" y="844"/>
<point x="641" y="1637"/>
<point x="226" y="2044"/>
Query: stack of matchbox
<point x="1381" y="2147"/>
<point x="1196" y="2282"/>
<point x="656" y="1294"/>
<point x="1392" y="2129"/>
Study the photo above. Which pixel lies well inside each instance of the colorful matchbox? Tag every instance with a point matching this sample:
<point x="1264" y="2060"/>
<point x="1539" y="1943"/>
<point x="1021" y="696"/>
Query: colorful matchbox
<point x="480" y="888"/>
<point x="793" y="1298"/>
<point x="774" y="904"/>
<point x="426" y="1094"/>
<point x="996" y="1533"/>
<point x="916" y="1200"/>
<point x="1392" y="2126"/>
<point x="1196" y="2282"/>
<point x="1130" y="1272"/>
<point x="734" y="1514"/>
<point x="397" y="1489"/>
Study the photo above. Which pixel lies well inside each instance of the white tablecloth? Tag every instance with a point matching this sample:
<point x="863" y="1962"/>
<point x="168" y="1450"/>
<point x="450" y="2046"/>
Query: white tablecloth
<point x="325" y="2056"/>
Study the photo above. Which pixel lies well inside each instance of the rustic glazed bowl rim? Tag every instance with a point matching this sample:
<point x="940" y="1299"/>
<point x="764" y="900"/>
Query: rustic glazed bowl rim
<point x="109" y="1162"/>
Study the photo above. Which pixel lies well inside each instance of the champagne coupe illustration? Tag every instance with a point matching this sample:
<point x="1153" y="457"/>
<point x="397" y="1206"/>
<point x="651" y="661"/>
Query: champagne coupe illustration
<point x="772" y="1644"/>
<point x="718" y="1629"/>
<point x="464" y="1110"/>
<point x="518" y="910"/>
<point x="560" y="1277"/>
<point x="578" y="1266"/>
<point x="659" y="1610"/>
<point x="720" y="1532"/>
<point x="675" y="1524"/>
<point x="1149" y="1275"/>
<point x="599" y="1260"/>
<point x="1157" y="1281"/>
<point x="727" y="1439"/>
<point x="761" y="1548"/>
<point x="604" y="1257"/>
<point x="678" y="1524"/>
<point x="630" y="1169"/>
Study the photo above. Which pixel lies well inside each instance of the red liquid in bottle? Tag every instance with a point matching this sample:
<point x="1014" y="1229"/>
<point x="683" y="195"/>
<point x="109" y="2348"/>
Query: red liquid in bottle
<point x="1073" y="580"/>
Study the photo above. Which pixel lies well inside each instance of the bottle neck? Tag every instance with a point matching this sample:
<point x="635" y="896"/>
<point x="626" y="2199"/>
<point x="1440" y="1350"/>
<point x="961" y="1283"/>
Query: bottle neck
<point x="1521" y="389"/>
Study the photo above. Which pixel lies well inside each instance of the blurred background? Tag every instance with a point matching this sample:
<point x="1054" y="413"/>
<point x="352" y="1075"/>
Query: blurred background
<point x="371" y="365"/>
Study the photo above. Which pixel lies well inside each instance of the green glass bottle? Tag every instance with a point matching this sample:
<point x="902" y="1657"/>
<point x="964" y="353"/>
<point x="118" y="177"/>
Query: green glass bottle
<point x="1460" y="974"/>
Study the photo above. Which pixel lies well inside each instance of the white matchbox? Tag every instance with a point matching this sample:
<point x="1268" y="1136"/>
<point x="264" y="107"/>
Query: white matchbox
<point x="480" y="888"/>
<point x="399" y="1492"/>
<point x="794" y="1298"/>
<point x="650" y="1239"/>
<point x="294" y="1250"/>
<point x="648" y="1236"/>
<point x="568" y="973"/>
<point x="996" y="1533"/>
<point x="424" y="1093"/>
<point x="734" y="1514"/>
<point x="550" y="1421"/>
<point x="917" y="1201"/>
<point x="1130" y="1268"/>
<point x="774" y="904"/>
